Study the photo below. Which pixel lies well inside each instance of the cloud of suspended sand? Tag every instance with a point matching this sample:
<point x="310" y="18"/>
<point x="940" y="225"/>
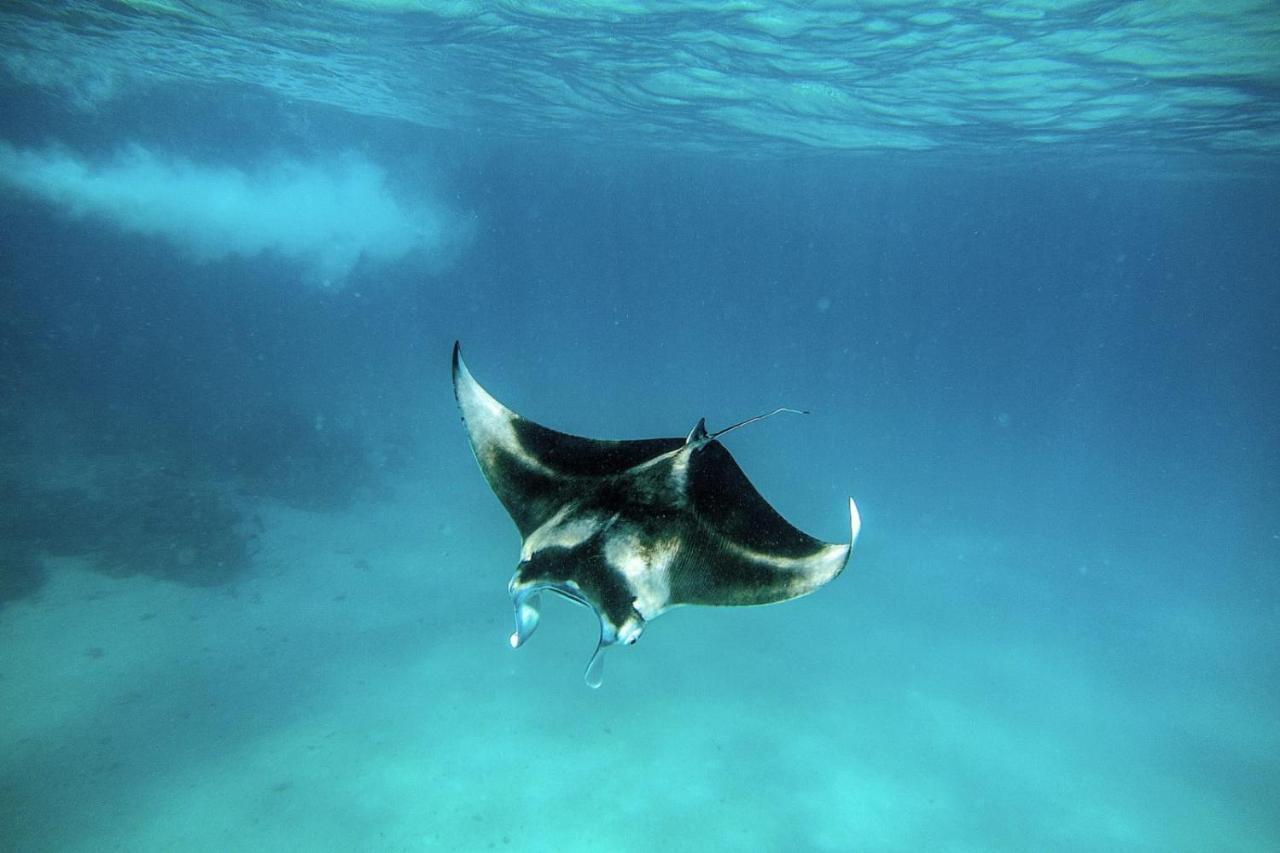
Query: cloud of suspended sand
<point x="326" y="215"/>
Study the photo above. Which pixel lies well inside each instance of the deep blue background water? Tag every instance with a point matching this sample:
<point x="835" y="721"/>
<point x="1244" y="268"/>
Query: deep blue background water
<point x="1056" y="344"/>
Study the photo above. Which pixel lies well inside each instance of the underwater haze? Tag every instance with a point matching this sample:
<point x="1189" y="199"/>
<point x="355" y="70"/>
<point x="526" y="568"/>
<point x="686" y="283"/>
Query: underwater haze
<point x="1019" y="261"/>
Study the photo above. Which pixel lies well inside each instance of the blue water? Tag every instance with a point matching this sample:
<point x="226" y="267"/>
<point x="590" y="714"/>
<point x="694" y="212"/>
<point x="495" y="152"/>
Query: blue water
<point x="1020" y="262"/>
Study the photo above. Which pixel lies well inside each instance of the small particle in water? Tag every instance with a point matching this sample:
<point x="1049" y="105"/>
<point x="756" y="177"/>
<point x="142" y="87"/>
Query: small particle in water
<point x="94" y="652"/>
<point x="823" y="305"/>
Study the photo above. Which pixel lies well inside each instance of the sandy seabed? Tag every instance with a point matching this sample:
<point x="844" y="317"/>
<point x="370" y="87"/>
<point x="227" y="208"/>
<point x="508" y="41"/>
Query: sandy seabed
<point x="355" y="692"/>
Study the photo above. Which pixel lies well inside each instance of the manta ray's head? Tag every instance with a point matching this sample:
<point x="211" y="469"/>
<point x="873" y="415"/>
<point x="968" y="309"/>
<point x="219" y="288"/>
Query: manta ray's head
<point x="567" y="556"/>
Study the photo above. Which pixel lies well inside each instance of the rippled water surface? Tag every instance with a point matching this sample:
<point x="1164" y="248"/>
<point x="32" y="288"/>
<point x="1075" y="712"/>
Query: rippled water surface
<point x="745" y="78"/>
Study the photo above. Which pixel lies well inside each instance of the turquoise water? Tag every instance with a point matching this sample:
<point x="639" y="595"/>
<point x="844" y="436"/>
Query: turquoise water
<point x="1018" y="260"/>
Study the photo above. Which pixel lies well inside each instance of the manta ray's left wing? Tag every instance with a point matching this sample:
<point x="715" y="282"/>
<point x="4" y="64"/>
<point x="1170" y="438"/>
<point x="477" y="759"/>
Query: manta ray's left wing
<point x="536" y="471"/>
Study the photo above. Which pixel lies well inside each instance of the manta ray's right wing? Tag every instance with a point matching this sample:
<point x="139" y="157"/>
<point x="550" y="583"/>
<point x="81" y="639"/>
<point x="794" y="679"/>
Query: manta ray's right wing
<point x="738" y="550"/>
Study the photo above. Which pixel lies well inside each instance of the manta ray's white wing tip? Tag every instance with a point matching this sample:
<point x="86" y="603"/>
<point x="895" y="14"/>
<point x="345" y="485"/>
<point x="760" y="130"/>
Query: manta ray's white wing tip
<point x="855" y="523"/>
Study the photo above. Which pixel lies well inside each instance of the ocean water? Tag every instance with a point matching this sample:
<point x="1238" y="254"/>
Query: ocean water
<point x="1019" y="261"/>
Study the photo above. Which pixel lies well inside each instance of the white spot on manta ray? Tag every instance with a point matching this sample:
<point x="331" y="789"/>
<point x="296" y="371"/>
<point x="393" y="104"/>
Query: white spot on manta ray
<point x="560" y="531"/>
<point x="647" y="568"/>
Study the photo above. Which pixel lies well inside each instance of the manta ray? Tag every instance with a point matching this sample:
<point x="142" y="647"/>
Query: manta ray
<point x="632" y="529"/>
